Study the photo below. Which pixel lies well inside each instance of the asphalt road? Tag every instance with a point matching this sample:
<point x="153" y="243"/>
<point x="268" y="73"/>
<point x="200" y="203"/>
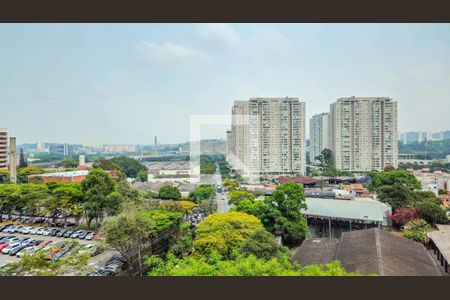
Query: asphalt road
<point x="221" y="198"/>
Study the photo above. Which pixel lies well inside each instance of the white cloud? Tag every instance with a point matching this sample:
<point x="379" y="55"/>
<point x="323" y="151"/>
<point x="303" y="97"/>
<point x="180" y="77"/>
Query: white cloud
<point x="221" y="33"/>
<point x="170" y="54"/>
<point x="270" y="42"/>
<point x="258" y="42"/>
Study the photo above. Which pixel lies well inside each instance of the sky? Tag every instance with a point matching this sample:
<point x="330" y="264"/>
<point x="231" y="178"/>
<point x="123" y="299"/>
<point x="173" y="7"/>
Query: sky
<point x="126" y="83"/>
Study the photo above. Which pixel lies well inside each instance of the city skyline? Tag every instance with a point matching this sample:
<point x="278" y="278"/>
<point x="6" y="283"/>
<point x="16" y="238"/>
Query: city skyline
<point x="126" y="83"/>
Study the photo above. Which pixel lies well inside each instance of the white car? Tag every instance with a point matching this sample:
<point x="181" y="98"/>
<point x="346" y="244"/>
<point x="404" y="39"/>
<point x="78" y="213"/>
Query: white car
<point x="40" y="231"/>
<point x="10" y="247"/>
<point x="26" y="229"/>
<point x="10" y="229"/>
<point x="34" y="230"/>
<point x="46" y="232"/>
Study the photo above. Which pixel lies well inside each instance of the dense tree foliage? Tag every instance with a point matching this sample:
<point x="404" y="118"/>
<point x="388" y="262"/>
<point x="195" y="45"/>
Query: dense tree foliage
<point x="130" y="166"/>
<point x="230" y="184"/>
<point x="380" y="179"/>
<point x="202" y="192"/>
<point x="22" y="160"/>
<point x="224" y="233"/>
<point x="240" y="266"/>
<point x="417" y="230"/>
<point x="4" y="176"/>
<point x="433" y="149"/>
<point x="169" y="192"/>
<point x="127" y="231"/>
<point x="403" y="215"/>
<point x="183" y="207"/>
<point x="22" y="174"/>
<point x="96" y="189"/>
<point x="68" y="163"/>
<point x="263" y="245"/>
<point x="396" y="195"/>
<point x="237" y="196"/>
<point x="207" y="165"/>
<point x="280" y="212"/>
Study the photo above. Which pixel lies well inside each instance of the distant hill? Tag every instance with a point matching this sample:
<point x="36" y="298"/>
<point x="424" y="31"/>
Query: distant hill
<point x="429" y="150"/>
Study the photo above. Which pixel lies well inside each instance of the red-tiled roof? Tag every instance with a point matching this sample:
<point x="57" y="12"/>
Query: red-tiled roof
<point x="357" y="186"/>
<point x="298" y="179"/>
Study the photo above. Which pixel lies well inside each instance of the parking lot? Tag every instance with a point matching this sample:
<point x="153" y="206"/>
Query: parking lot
<point x="29" y="240"/>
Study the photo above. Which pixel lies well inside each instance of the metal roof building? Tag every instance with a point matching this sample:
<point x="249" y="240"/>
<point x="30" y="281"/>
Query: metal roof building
<point x="358" y="211"/>
<point x="371" y="251"/>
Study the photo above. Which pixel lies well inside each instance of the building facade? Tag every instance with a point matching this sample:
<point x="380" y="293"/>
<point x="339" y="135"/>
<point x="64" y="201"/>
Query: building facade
<point x="319" y="134"/>
<point x="3" y="149"/>
<point x="268" y="136"/>
<point x="364" y="133"/>
<point x="119" y="148"/>
<point x="61" y="149"/>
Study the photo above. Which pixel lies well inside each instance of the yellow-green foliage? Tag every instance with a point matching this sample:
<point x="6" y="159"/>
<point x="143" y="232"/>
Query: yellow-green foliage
<point x="224" y="233"/>
<point x="241" y="266"/>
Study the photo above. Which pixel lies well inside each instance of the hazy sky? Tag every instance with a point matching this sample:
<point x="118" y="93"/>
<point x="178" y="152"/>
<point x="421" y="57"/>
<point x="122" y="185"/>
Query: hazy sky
<point x="126" y="83"/>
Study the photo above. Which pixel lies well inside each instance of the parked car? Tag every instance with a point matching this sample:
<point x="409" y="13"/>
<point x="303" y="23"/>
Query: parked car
<point x="46" y="232"/>
<point x="76" y="234"/>
<point x="83" y="234"/>
<point x="61" y="232"/>
<point x="68" y="233"/>
<point x="11" y="246"/>
<point x="26" y="229"/>
<point x="40" y="231"/>
<point x="16" y="250"/>
<point x="53" y="232"/>
<point x="89" y="236"/>
<point x="3" y="246"/>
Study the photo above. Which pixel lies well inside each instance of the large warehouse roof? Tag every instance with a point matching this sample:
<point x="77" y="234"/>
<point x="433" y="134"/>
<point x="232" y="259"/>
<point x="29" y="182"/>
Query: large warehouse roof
<point x="371" y="251"/>
<point x="364" y="210"/>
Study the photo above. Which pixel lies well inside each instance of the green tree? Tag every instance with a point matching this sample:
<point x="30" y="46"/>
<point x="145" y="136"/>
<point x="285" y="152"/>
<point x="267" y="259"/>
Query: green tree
<point x="230" y="184"/>
<point x="202" y="192"/>
<point x="263" y="245"/>
<point x="417" y="230"/>
<point x="96" y="188"/>
<point x="234" y="197"/>
<point x="4" y="176"/>
<point x="281" y="212"/>
<point x="22" y="160"/>
<point x="390" y="178"/>
<point x="432" y="212"/>
<point x="396" y="195"/>
<point x="22" y="174"/>
<point x="68" y="163"/>
<point x="169" y="192"/>
<point x="325" y="159"/>
<point x="241" y="266"/>
<point x="127" y="231"/>
<point x="130" y="166"/>
<point x="142" y="176"/>
<point x="224" y="233"/>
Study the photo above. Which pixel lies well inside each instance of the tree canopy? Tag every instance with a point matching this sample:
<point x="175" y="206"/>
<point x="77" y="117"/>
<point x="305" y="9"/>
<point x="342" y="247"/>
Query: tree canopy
<point x="380" y="179"/>
<point x="202" y="192"/>
<point x="241" y="266"/>
<point x="224" y="233"/>
<point x="169" y="192"/>
<point x="280" y="212"/>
